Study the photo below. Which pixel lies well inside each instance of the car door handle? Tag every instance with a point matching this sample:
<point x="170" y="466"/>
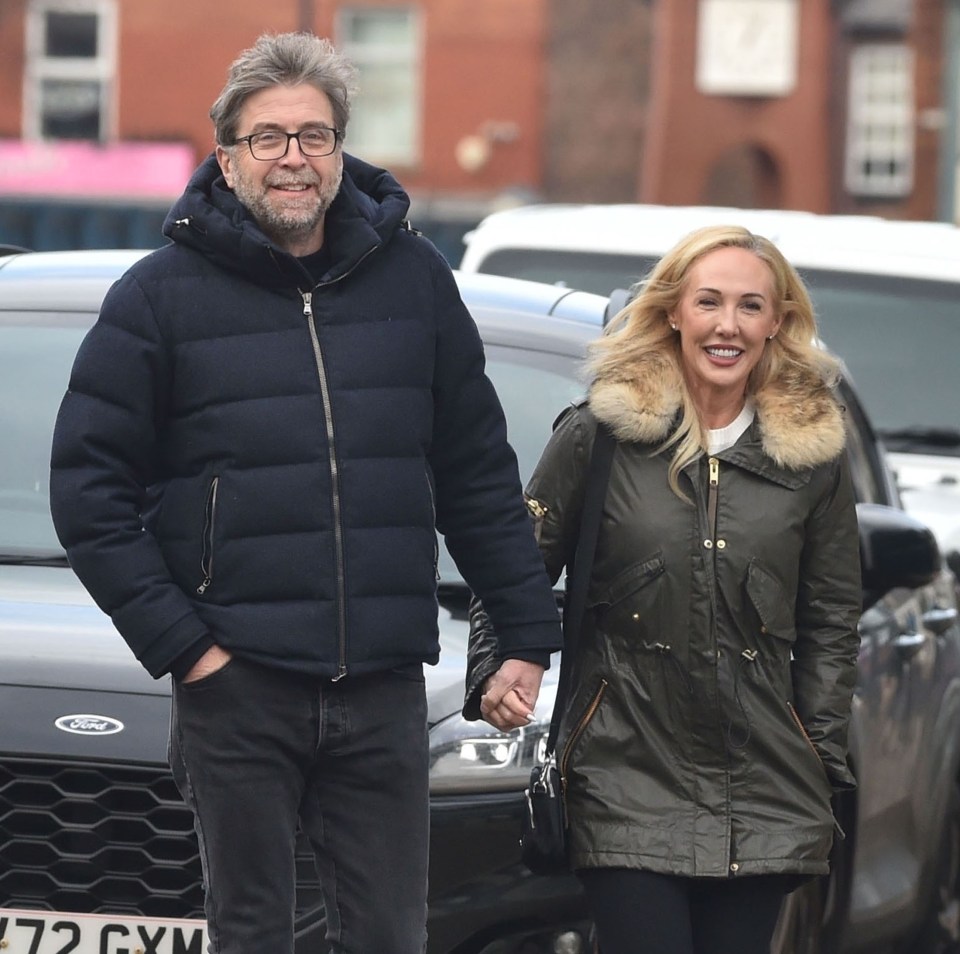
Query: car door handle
<point x="939" y="620"/>
<point x="908" y="644"/>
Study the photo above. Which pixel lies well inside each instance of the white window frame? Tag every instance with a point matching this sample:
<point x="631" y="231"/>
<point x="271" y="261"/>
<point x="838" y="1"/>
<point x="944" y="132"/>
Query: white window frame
<point x="100" y="69"/>
<point x="880" y="121"/>
<point x="407" y="151"/>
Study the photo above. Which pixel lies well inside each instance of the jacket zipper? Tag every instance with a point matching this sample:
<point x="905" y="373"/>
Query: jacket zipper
<point x="796" y="718"/>
<point x="209" y="522"/>
<point x="436" y="542"/>
<point x="712" y="494"/>
<point x="335" y="487"/>
<point x="578" y="731"/>
<point x="339" y="556"/>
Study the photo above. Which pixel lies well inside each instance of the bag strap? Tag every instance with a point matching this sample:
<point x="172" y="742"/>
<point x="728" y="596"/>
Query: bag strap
<point x="578" y="574"/>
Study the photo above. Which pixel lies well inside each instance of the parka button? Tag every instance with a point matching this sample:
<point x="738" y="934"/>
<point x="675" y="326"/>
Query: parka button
<point x="708" y="544"/>
<point x="763" y="629"/>
<point x="734" y="867"/>
<point x="721" y="544"/>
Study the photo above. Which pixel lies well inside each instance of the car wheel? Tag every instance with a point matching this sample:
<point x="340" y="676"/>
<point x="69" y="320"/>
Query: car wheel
<point x="941" y="930"/>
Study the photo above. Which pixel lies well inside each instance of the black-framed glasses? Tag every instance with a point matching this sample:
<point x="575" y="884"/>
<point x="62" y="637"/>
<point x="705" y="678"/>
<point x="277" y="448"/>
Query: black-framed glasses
<point x="314" y="142"/>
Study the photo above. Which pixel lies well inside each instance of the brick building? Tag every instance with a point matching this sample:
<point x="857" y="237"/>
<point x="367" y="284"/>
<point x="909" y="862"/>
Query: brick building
<point x="828" y="105"/>
<point x="825" y="105"/>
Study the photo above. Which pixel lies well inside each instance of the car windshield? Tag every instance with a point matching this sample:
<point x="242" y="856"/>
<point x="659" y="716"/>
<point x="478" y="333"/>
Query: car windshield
<point x="898" y="337"/>
<point x="534" y="387"/>
<point x="36" y="352"/>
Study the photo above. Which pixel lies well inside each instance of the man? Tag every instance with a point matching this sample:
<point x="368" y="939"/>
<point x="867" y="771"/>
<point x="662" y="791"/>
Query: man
<point x="265" y="428"/>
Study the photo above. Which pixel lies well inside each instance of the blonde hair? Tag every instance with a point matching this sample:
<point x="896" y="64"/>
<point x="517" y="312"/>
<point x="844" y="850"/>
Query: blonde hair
<point x="643" y="328"/>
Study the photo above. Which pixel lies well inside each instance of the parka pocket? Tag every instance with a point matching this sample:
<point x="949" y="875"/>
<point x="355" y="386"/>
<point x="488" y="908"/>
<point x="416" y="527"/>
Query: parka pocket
<point x="207" y="538"/>
<point x="576" y="733"/>
<point x="767" y="595"/>
<point x="622" y="606"/>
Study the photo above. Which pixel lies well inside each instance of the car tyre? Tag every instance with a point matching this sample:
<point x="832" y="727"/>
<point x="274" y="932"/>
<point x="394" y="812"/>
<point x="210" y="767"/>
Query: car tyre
<point x="940" y="933"/>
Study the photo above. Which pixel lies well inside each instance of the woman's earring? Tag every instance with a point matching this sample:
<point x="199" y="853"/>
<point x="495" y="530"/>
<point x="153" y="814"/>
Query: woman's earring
<point x="672" y="325"/>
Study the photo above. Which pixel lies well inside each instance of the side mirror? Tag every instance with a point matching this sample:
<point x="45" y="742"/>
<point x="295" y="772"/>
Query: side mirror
<point x="896" y="550"/>
<point x="616" y="303"/>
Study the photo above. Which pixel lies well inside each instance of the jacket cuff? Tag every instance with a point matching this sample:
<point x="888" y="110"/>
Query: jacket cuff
<point x="537" y="637"/>
<point x="539" y="656"/>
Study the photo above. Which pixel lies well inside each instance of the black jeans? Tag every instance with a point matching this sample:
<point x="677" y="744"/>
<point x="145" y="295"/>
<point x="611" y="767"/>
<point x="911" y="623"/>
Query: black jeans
<point x="639" y="912"/>
<point x="254" y="751"/>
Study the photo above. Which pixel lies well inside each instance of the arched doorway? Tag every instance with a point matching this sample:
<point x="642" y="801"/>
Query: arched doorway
<point x="746" y="177"/>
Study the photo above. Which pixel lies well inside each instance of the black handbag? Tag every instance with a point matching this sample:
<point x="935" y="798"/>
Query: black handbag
<point x="543" y="839"/>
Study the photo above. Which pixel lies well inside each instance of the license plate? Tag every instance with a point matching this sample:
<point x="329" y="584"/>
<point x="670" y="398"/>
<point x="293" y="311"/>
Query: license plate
<point x="47" y="932"/>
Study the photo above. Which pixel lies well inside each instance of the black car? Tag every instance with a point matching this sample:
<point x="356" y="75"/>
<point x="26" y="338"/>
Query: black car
<point x="97" y="852"/>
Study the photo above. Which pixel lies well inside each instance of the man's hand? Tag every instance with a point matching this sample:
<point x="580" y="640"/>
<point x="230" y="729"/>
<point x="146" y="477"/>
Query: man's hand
<point x="213" y="659"/>
<point x="511" y="693"/>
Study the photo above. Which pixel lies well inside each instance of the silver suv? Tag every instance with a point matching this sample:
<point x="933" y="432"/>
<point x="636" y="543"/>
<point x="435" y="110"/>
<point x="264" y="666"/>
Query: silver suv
<point x="887" y="296"/>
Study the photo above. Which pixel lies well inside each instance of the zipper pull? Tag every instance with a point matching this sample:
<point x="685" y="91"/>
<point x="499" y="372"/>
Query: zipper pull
<point x="202" y="588"/>
<point x="535" y="507"/>
<point x="307" y="304"/>
<point x="714" y="472"/>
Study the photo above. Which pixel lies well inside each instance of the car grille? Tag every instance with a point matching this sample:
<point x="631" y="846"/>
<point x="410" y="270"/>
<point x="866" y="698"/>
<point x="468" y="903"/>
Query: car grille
<point x="104" y="838"/>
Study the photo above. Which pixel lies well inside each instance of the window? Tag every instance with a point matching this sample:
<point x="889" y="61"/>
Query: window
<point x="385" y="119"/>
<point x="71" y="60"/>
<point x="880" y="121"/>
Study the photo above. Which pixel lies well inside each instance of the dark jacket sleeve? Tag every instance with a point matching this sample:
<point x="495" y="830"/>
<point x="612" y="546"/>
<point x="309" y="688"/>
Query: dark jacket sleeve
<point x="829" y="597"/>
<point x="554" y="498"/>
<point x="479" y="503"/>
<point x="102" y="461"/>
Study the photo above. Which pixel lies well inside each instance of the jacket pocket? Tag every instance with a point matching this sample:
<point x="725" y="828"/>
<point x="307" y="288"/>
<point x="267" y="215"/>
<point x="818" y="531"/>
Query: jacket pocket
<point x="576" y="733"/>
<point x="824" y="774"/>
<point x="770" y="601"/>
<point x="433" y="525"/>
<point x="629" y="599"/>
<point x="206" y="542"/>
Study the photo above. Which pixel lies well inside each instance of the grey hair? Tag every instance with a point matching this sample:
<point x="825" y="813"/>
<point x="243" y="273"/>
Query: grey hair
<point x="284" y="59"/>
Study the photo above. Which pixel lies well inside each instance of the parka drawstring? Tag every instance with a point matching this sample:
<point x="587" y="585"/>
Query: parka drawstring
<point x="664" y="651"/>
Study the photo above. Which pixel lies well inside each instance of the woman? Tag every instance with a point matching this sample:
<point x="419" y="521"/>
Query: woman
<point x="707" y="724"/>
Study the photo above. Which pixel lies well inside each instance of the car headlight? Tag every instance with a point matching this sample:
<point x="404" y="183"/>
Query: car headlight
<point x="476" y="757"/>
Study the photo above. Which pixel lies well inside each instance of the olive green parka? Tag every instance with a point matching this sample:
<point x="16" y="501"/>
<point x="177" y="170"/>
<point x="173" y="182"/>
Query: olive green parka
<point x="707" y="727"/>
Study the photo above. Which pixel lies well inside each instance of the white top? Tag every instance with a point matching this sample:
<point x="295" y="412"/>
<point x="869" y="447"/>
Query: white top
<point x="721" y="438"/>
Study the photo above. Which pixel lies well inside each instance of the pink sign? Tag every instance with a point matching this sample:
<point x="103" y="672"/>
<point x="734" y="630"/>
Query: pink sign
<point x="82" y="170"/>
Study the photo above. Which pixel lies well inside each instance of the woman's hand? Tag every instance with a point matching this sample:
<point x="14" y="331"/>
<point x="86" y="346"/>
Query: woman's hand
<point x="510" y="694"/>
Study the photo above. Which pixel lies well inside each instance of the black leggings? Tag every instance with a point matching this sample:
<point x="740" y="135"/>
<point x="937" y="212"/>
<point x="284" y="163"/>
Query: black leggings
<point x="639" y="912"/>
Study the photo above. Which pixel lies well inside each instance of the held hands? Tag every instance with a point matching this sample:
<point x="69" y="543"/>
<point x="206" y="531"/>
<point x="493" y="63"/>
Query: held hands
<point x="511" y="693"/>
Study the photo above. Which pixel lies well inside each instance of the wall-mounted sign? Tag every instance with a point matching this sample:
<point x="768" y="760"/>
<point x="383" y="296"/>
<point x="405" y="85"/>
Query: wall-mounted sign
<point x="747" y="47"/>
<point x="138" y="170"/>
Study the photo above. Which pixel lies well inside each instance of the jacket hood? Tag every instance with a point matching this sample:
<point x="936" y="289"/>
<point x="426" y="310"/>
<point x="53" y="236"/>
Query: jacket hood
<point x="800" y="422"/>
<point x="369" y="208"/>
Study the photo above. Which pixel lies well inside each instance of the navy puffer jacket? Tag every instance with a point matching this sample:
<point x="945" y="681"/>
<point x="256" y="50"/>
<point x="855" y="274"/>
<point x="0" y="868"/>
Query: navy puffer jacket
<point x="248" y="457"/>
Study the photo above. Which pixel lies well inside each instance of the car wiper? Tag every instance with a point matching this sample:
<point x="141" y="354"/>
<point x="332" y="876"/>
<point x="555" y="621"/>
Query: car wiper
<point x="53" y="558"/>
<point x="907" y="438"/>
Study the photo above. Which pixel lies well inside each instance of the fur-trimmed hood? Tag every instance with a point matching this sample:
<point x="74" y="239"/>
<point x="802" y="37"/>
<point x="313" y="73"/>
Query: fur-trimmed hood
<point x="800" y="422"/>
